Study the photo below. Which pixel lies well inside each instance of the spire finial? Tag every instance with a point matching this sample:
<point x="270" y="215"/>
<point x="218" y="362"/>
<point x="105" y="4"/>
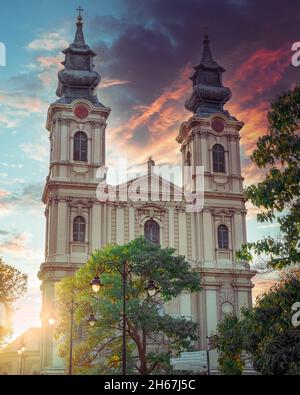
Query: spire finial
<point x="206" y="54"/>
<point x="150" y="164"/>
<point x="80" y="10"/>
<point x="79" y="37"/>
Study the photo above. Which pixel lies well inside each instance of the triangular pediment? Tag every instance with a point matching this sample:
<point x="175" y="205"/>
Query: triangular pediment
<point x="223" y="211"/>
<point x="161" y="189"/>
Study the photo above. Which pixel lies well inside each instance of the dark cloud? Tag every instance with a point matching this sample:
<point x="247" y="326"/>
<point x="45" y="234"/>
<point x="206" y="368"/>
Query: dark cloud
<point x="153" y="40"/>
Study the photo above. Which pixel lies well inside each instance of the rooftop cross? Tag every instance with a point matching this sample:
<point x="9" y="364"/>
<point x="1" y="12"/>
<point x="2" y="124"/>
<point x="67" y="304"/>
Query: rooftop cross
<point x="79" y="9"/>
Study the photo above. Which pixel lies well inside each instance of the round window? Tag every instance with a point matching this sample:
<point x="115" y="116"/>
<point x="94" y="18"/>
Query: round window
<point x="227" y="308"/>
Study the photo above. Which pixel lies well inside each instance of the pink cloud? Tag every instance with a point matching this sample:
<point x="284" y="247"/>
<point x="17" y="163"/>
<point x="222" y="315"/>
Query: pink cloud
<point x="28" y="103"/>
<point x="263" y="62"/>
<point x="49" y="67"/>
<point x="49" y="42"/>
<point x="108" y="82"/>
<point x="162" y="118"/>
<point x="262" y="284"/>
<point x="5" y="207"/>
<point x="16" y="244"/>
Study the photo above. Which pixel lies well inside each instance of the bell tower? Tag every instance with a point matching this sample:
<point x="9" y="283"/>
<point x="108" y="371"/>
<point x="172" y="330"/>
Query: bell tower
<point x="210" y="138"/>
<point x="76" y="123"/>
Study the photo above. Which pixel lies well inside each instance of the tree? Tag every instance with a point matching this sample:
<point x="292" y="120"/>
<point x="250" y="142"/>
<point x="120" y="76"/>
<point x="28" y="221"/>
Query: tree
<point x="230" y="346"/>
<point x="13" y="285"/>
<point x="265" y="334"/>
<point x="278" y="195"/>
<point x="151" y="336"/>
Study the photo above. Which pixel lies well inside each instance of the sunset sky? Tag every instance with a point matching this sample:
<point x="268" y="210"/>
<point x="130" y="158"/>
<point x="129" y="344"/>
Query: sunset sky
<point x="146" y="50"/>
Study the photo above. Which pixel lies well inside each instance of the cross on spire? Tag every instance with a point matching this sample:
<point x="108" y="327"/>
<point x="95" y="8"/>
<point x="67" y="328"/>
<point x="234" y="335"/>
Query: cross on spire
<point x="79" y="9"/>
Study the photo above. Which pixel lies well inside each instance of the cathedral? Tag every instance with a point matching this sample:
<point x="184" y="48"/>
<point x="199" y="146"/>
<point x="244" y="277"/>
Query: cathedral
<point x="77" y="222"/>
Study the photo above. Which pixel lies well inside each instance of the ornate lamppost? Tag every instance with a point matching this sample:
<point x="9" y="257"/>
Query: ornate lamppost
<point x="96" y="284"/>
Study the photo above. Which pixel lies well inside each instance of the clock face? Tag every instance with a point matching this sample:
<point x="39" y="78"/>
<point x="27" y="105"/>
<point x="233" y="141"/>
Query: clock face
<point x="218" y="125"/>
<point x="81" y="112"/>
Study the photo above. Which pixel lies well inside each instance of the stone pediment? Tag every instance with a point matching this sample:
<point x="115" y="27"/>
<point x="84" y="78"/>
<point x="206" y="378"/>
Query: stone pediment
<point x="161" y="188"/>
<point x="223" y="211"/>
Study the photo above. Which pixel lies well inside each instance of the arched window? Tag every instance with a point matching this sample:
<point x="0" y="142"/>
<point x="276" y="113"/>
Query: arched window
<point x="80" y="146"/>
<point x="151" y="231"/>
<point x="218" y="158"/>
<point x="79" y="229"/>
<point x="223" y="237"/>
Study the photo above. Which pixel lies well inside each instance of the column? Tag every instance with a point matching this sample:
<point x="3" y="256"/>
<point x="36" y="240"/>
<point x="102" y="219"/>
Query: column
<point x="171" y="228"/>
<point x="238" y="230"/>
<point x="64" y="142"/>
<point x="120" y="225"/>
<point x="193" y="235"/>
<point x="62" y="237"/>
<point x="96" y="235"/>
<point x="205" y="153"/>
<point x="108" y="228"/>
<point x="97" y="144"/>
<point x="131" y="223"/>
<point x="182" y="234"/>
<point x="209" y="246"/>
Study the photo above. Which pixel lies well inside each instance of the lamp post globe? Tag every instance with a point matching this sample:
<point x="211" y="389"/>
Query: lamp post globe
<point x="92" y="320"/>
<point x="51" y="321"/>
<point x="96" y="284"/>
<point x="151" y="288"/>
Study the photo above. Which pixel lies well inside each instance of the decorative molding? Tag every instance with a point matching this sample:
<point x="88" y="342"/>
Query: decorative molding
<point x="80" y="202"/>
<point x="181" y="208"/>
<point x="229" y="212"/>
<point x="226" y="296"/>
<point x="150" y="205"/>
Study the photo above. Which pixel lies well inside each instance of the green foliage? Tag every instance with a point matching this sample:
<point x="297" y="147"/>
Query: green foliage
<point x="150" y="336"/>
<point x="13" y="285"/>
<point x="265" y="333"/>
<point x="230" y="346"/>
<point x="279" y="153"/>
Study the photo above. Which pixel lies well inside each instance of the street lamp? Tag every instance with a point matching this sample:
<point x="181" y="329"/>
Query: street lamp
<point x="96" y="284"/>
<point x="51" y="320"/>
<point x="151" y="288"/>
<point x="92" y="320"/>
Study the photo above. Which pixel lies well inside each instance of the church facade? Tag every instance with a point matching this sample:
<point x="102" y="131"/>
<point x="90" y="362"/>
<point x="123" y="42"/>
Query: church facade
<point x="77" y="222"/>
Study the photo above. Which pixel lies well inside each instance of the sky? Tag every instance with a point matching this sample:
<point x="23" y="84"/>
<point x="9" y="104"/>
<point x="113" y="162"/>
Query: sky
<point x="146" y="50"/>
